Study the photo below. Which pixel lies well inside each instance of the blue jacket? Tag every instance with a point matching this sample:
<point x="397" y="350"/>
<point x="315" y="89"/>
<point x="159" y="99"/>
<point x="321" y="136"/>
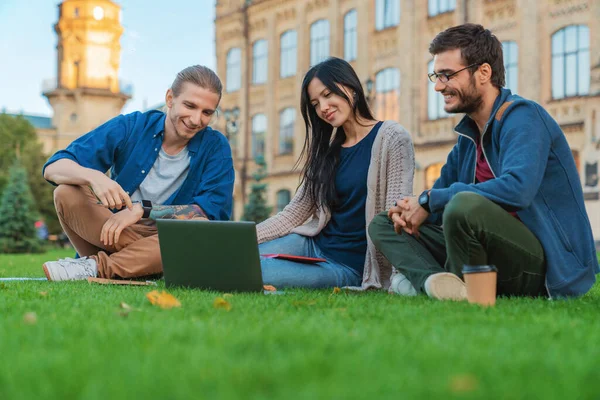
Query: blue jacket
<point x="128" y="145"/>
<point x="535" y="175"/>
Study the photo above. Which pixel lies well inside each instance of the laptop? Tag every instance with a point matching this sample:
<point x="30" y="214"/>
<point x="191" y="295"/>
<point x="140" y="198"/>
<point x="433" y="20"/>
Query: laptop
<point x="213" y="255"/>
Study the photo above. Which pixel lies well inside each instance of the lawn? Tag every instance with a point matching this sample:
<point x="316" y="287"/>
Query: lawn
<point x="73" y="340"/>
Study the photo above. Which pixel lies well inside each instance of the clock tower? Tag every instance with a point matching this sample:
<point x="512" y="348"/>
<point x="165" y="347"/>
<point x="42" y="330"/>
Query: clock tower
<point x="87" y="91"/>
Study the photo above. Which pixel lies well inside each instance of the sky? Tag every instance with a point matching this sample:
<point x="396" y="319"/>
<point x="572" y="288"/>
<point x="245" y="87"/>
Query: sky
<point x="161" y="38"/>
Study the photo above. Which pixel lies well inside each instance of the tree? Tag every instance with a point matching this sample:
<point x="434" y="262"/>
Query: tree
<point x="17" y="132"/>
<point x="18" y="215"/>
<point x="257" y="210"/>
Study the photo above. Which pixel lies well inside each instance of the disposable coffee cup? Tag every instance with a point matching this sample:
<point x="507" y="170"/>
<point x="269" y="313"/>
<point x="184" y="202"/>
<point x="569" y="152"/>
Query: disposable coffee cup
<point x="481" y="283"/>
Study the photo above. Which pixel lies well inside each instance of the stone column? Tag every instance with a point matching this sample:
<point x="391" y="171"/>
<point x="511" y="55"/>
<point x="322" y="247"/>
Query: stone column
<point x="530" y="64"/>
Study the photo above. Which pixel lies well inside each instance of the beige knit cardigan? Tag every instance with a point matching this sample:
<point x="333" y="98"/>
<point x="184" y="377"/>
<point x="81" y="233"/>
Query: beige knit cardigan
<point x="390" y="177"/>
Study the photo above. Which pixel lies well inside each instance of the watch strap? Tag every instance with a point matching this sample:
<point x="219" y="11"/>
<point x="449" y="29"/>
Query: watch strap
<point x="425" y="204"/>
<point x="147" y="206"/>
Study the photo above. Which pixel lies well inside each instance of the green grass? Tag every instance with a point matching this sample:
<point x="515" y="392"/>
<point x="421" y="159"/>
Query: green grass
<point x="303" y="345"/>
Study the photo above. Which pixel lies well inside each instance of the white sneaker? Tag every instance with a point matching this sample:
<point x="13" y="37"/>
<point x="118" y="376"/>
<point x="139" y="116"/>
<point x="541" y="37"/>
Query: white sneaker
<point x="401" y="285"/>
<point x="70" y="269"/>
<point x="445" y="286"/>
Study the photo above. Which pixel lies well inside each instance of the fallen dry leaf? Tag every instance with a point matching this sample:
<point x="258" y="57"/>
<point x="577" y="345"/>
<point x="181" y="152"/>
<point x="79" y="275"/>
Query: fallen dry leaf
<point x="125" y="306"/>
<point x="163" y="299"/>
<point x="226" y="295"/>
<point x="30" y="318"/>
<point x="269" y="288"/>
<point x="463" y="383"/>
<point x="43" y="294"/>
<point x="336" y="290"/>
<point x="221" y="304"/>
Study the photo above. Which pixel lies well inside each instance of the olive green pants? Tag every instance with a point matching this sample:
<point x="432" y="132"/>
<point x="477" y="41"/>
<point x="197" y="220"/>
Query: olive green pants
<point x="475" y="231"/>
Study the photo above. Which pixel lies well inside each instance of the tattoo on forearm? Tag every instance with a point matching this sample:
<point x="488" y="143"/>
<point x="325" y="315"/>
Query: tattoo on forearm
<point x="189" y="211"/>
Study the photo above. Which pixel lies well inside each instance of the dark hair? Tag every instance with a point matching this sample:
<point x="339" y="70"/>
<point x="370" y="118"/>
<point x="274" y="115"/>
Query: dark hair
<point x="320" y="153"/>
<point x="198" y="75"/>
<point x="477" y="46"/>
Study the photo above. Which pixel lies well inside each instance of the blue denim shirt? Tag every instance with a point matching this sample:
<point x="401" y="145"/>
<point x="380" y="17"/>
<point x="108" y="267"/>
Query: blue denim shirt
<point x="535" y="175"/>
<point x="128" y="145"/>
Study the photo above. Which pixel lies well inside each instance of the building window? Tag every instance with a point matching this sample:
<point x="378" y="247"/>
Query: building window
<point x="435" y="101"/>
<point x="591" y="174"/>
<point x="287" y="119"/>
<point x="260" y="55"/>
<point x="283" y="199"/>
<point x="350" y="35"/>
<point x="387" y="88"/>
<point x="432" y="173"/>
<point x="441" y="6"/>
<point x="234" y="70"/>
<point x="511" y="62"/>
<point x="259" y="129"/>
<point x="319" y="41"/>
<point x="387" y="14"/>
<point x="287" y="66"/>
<point x="571" y="62"/>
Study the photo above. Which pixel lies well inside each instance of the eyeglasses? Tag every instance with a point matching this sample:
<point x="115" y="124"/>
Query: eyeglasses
<point x="444" y="78"/>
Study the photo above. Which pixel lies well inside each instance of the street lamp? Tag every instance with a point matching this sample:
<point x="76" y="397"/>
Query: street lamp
<point x="231" y="123"/>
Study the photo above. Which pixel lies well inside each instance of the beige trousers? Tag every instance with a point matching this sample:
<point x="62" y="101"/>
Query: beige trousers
<point x="137" y="252"/>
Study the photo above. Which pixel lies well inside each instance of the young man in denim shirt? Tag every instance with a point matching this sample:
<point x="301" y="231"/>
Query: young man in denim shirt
<point x="509" y="194"/>
<point x="162" y="165"/>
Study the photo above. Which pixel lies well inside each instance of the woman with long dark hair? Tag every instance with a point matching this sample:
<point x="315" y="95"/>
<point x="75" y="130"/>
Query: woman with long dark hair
<point x="355" y="167"/>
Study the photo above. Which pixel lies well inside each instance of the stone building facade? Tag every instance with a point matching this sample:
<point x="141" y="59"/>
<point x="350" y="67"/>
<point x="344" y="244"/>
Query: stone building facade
<point x="264" y="47"/>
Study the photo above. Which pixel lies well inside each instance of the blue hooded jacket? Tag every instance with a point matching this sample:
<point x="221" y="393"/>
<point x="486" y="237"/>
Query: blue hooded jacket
<point x="535" y="175"/>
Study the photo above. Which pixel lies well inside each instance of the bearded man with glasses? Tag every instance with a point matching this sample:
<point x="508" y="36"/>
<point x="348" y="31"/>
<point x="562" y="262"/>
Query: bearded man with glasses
<point x="508" y="195"/>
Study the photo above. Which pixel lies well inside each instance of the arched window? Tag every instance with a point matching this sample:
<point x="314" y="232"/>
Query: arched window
<point x="387" y="88"/>
<point x="283" y="199"/>
<point x="432" y="173"/>
<point x="234" y="70"/>
<point x="259" y="129"/>
<point x="387" y="13"/>
<point x="441" y="6"/>
<point x="435" y="101"/>
<point x="350" y="35"/>
<point x="319" y="41"/>
<point x="287" y="66"/>
<point x="260" y="56"/>
<point x="511" y="66"/>
<point x="571" y="62"/>
<point x="287" y="119"/>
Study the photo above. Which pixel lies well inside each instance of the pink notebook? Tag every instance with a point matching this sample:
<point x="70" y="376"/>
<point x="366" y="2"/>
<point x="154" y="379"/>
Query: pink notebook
<point x="308" y="260"/>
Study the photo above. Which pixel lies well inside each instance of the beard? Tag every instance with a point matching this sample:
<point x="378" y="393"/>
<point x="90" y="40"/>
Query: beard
<point x="180" y="129"/>
<point x="469" y="100"/>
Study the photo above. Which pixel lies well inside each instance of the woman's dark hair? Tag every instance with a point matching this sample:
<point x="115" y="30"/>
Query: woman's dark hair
<point x="320" y="153"/>
<point x="477" y="46"/>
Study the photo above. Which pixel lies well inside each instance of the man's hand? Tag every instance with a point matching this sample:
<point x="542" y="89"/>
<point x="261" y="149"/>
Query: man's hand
<point x="111" y="231"/>
<point x="395" y="214"/>
<point x="109" y="192"/>
<point x="412" y="215"/>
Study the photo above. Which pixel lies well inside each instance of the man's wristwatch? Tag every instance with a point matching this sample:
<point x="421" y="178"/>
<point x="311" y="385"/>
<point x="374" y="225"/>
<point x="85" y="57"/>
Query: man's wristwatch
<point x="424" y="201"/>
<point x="147" y="206"/>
